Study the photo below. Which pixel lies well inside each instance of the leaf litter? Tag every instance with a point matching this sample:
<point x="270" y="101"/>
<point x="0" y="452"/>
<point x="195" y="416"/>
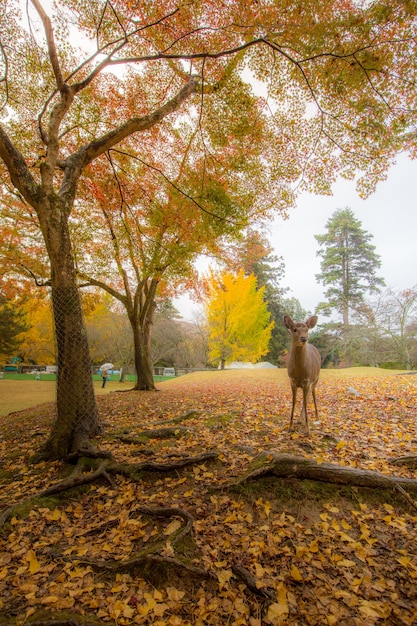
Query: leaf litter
<point x="275" y="551"/>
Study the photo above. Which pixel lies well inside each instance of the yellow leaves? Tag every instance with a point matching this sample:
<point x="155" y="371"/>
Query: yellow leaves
<point x="120" y="608"/>
<point x="314" y="546"/>
<point x="375" y="608"/>
<point x="174" y="594"/>
<point x="223" y="576"/>
<point x="296" y="574"/>
<point x="409" y="564"/>
<point x="34" y="565"/>
<point x="259" y="570"/>
<point x="404" y="560"/>
<point x="172" y="527"/>
<point x="266" y="506"/>
<point x="346" y="563"/>
<point x="238" y="318"/>
<point x="277" y="611"/>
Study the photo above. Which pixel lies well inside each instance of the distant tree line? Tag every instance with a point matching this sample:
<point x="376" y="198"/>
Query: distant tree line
<point x="367" y="326"/>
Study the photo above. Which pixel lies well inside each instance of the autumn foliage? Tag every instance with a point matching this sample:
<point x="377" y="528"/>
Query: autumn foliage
<point x="238" y="319"/>
<point x="209" y="542"/>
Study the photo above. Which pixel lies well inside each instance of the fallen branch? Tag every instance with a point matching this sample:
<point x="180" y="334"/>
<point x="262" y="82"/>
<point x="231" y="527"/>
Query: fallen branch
<point x="289" y="466"/>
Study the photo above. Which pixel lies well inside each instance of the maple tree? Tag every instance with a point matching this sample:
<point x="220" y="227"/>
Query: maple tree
<point x="237" y="318"/>
<point x="142" y="243"/>
<point x="340" y="95"/>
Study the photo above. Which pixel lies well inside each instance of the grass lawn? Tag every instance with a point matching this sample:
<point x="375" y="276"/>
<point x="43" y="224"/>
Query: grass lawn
<point x="20" y="391"/>
<point x="17" y="395"/>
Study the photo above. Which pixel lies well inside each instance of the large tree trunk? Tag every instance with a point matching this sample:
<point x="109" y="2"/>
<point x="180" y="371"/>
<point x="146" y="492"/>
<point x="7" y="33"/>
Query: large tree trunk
<point x="77" y="414"/>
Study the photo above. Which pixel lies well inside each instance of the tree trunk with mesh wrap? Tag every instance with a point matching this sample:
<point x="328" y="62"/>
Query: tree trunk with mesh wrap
<point x="76" y="414"/>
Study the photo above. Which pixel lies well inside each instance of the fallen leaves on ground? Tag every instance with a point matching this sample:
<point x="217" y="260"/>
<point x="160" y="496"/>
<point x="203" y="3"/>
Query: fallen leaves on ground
<point x="321" y="555"/>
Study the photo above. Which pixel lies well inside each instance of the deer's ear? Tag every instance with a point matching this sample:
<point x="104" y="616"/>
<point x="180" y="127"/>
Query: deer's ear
<point x="288" y="322"/>
<point x="312" y="321"/>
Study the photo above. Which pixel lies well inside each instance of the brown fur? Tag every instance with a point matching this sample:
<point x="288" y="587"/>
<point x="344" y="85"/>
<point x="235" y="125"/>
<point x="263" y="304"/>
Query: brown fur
<point x="303" y="365"/>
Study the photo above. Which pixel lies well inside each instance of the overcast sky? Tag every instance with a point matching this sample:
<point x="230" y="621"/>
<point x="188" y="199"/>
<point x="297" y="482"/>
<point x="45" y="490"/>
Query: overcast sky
<point x="389" y="215"/>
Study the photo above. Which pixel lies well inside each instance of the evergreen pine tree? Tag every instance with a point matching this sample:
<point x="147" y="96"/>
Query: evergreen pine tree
<point x="12" y="324"/>
<point x="348" y="265"/>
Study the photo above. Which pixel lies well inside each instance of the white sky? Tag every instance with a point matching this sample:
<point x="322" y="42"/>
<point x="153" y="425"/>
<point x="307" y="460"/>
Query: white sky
<point x="390" y="215"/>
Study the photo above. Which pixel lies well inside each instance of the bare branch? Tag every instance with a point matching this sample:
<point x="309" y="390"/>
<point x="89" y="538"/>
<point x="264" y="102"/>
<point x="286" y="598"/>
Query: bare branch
<point x="51" y="43"/>
<point x="101" y="145"/>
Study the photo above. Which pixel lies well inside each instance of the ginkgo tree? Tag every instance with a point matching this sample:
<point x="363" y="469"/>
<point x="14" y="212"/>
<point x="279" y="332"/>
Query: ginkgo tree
<point x="238" y="319"/>
<point x="338" y="97"/>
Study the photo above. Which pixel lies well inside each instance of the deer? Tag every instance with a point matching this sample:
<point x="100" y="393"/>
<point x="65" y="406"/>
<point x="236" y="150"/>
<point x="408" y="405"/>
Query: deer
<point x="303" y="366"/>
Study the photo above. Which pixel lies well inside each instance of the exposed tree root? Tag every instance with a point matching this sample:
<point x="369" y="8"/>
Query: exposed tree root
<point x="241" y="572"/>
<point x="408" y="461"/>
<point x="128" y="469"/>
<point x="144" y="562"/>
<point x="90" y="453"/>
<point x="163" y="511"/>
<point x="147" y="559"/>
<point x="179" y="419"/>
<point x="289" y="466"/>
<point x="153" y="562"/>
<point x="56" y="622"/>
<point x="157" y="433"/>
<point x="161" y="433"/>
<point x="406" y="496"/>
<point x="107" y="467"/>
<point x="164" y="560"/>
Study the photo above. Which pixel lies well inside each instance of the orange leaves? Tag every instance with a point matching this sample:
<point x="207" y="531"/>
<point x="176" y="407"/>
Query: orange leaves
<point x="315" y="554"/>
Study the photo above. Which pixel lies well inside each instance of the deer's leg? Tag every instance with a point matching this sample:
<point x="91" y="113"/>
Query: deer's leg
<point x="294" y="400"/>
<point x="306" y="390"/>
<point x="313" y="393"/>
